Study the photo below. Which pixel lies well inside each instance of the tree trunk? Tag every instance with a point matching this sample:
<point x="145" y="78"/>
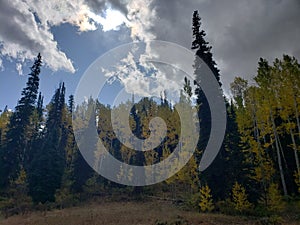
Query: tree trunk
<point x="295" y="151"/>
<point x="278" y="154"/>
<point x="297" y="115"/>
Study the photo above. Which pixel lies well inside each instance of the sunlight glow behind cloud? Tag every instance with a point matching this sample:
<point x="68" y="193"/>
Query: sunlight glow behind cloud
<point x="111" y="21"/>
<point x="26" y="26"/>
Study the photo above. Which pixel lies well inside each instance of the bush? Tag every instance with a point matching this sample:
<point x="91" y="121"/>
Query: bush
<point x="226" y="207"/>
<point x="192" y="202"/>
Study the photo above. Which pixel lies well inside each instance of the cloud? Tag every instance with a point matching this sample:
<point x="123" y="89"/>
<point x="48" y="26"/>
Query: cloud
<point x="19" y="68"/>
<point x="98" y="6"/>
<point x="1" y="65"/>
<point x="26" y="27"/>
<point x="141" y="15"/>
<point x="240" y="31"/>
<point x="145" y="78"/>
<point x="23" y="38"/>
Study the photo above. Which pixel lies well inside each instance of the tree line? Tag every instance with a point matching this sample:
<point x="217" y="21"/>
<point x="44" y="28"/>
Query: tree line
<point x="257" y="166"/>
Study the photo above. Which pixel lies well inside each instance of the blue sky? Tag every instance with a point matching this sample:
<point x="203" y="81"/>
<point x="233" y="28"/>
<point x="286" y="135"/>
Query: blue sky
<point x="72" y="34"/>
<point x="82" y="47"/>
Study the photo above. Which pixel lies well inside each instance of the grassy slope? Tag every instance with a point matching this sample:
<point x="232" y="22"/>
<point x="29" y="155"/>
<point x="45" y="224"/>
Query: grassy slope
<point x="131" y="213"/>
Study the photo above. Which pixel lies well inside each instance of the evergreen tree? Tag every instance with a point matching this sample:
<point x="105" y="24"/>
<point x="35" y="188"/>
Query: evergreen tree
<point x="220" y="173"/>
<point x="228" y="166"/>
<point x="81" y="170"/>
<point x="48" y="163"/>
<point x="20" y="129"/>
<point x="202" y="52"/>
<point x="71" y="104"/>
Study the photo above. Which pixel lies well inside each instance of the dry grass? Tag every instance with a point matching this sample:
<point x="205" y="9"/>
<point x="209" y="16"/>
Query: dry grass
<point x="131" y="213"/>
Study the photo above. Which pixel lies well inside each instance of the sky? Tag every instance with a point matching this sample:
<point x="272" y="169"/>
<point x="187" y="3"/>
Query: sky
<point x="72" y="34"/>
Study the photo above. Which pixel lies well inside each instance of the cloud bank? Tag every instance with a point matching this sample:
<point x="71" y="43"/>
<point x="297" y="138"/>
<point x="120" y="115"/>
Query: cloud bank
<point x="240" y="31"/>
<point x="26" y="25"/>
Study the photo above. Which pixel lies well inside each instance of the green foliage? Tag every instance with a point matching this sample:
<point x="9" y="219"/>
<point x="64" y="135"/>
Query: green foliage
<point x="47" y="166"/>
<point x="206" y="201"/>
<point x="20" y="130"/>
<point x="64" y="198"/>
<point x="226" y="207"/>
<point x="261" y="144"/>
<point x="268" y="119"/>
<point x="17" y="200"/>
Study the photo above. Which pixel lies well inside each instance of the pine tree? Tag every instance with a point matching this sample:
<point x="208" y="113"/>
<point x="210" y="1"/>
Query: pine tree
<point x="71" y="104"/>
<point x="203" y="52"/>
<point x="81" y="169"/>
<point x="4" y="121"/>
<point x="48" y="163"/>
<point x="20" y="130"/>
<point x="229" y="165"/>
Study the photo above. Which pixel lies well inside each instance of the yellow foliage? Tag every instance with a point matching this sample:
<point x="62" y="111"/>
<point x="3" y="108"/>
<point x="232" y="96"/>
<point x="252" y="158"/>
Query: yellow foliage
<point x="21" y="180"/>
<point x="274" y="199"/>
<point x="206" y="202"/>
<point x="239" y="198"/>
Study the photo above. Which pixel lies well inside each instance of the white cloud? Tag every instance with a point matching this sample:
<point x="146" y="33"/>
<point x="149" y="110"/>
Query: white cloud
<point x="26" y="28"/>
<point x="111" y="21"/>
<point x="26" y="25"/>
<point x="19" y="68"/>
<point x="23" y="38"/>
<point x="141" y="15"/>
<point x="240" y="31"/>
<point x="146" y="79"/>
<point x="1" y="65"/>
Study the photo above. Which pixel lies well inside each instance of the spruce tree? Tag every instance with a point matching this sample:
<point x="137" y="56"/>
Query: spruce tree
<point x="82" y="171"/>
<point x="202" y="52"/>
<point x="47" y="166"/>
<point x="20" y="129"/>
<point x="214" y="175"/>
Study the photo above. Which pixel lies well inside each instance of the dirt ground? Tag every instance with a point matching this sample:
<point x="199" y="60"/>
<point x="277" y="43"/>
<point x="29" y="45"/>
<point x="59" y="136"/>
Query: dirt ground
<point x="126" y="213"/>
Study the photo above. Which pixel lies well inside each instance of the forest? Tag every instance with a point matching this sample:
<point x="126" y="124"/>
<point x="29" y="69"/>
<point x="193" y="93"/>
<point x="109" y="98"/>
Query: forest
<point x="256" y="173"/>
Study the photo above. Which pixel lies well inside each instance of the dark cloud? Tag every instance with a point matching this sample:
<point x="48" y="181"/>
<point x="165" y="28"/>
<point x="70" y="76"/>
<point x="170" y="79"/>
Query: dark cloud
<point x="240" y="31"/>
<point x="98" y="6"/>
<point x="21" y="37"/>
<point x="12" y="31"/>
